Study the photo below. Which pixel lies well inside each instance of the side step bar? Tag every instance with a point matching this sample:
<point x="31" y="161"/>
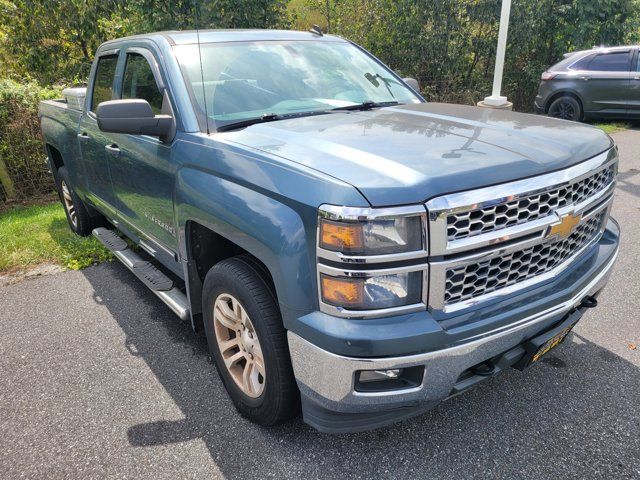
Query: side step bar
<point x="153" y="278"/>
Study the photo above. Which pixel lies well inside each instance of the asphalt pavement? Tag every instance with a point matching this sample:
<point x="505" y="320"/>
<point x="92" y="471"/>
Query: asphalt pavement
<point x="99" y="379"/>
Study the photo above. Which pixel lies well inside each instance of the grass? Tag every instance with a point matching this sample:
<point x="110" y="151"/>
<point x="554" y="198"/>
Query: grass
<point x="612" y="127"/>
<point x="36" y="234"/>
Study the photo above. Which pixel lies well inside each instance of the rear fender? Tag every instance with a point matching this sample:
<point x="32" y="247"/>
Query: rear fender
<point x="572" y="92"/>
<point x="59" y="131"/>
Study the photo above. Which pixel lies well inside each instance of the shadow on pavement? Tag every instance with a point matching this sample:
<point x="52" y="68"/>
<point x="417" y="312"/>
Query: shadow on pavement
<point x="575" y="415"/>
<point x="627" y="181"/>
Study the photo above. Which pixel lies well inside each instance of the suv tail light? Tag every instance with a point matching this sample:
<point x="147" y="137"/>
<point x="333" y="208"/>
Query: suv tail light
<point x="548" y="75"/>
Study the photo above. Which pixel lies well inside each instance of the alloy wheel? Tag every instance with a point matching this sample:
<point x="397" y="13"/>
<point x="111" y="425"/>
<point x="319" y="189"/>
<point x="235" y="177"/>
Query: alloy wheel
<point x="68" y="204"/>
<point x="239" y="345"/>
<point x="564" y="110"/>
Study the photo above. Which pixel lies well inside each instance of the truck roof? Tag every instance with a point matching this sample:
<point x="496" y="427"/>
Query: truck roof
<point x="184" y="37"/>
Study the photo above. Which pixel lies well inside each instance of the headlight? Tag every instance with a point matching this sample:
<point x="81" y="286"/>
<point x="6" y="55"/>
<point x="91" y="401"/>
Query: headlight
<point x="378" y="239"/>
<point x="369" y="291"/>
<point x="354" y="232"/>
<point x="373" y="237"/>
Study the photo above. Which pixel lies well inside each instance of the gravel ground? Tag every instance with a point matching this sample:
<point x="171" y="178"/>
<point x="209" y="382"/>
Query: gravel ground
<point x="99" y="379"/>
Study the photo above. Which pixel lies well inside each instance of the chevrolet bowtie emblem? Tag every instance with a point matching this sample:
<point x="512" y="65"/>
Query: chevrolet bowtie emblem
<point x="565" y="227"/>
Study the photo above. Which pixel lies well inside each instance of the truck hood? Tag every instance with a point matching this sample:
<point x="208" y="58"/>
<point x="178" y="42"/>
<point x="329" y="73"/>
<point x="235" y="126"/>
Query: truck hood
<point x="411" y="153"/>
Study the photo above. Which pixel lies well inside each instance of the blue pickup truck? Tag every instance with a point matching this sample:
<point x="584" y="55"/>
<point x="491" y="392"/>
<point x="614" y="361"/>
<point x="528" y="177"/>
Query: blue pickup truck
<point x="348" y="249"/>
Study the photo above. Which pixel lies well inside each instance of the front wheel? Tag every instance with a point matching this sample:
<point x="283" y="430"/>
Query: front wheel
<point x="248" y="342"/>
<point x="566" y="108"/>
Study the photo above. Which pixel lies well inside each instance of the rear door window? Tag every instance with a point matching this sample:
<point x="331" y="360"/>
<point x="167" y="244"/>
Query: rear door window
<point x="611" y="62"/>
<point x="103" y="82"/>
<point x="139" y="82"/>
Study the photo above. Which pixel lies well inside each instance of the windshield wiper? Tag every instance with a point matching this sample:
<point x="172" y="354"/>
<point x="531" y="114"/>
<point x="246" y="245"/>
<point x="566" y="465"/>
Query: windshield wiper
<point x="268" y="117"/>
<point x="271" y="117"/>
<point x="387" y="81"/>
<point x="367" y="105"/>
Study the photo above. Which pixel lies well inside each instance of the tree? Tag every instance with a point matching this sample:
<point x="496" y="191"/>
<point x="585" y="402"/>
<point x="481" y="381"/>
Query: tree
<point x="154" y="15"/>
<point x="54" y="42"/>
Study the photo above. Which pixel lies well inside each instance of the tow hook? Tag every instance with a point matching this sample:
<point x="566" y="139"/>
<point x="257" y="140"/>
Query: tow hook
<point x="588" y="302"/>
<point x="484" y="369"/>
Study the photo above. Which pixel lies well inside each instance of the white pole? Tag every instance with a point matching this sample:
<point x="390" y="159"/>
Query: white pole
<point x="496" y="100"/>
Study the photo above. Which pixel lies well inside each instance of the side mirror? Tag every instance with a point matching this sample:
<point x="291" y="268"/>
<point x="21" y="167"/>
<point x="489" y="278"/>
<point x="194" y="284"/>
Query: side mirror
<point x="132" y="116"/>
<point x="413" y="83"/>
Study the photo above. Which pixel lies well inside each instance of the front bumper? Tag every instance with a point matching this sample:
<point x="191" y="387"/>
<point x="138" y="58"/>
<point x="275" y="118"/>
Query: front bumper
<point x="327" y="380"/>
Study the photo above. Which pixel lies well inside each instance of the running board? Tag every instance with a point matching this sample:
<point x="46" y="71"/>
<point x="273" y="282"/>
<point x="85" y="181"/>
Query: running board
<point x="153" y="278"/>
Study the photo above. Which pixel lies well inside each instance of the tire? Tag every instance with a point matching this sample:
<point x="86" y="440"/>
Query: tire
<point x="76" y="211"/>
<point x="566" y="108"/>
<point x="264" y="391"/>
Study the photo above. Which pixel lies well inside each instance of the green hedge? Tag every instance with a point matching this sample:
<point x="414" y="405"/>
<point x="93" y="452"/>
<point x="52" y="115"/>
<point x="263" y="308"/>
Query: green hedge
<point x="449" y="45"/>
<point x="23" y="168"/>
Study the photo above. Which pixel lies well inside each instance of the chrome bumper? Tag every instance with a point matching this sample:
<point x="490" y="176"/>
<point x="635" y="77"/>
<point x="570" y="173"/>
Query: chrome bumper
<point x="328" y="379"/>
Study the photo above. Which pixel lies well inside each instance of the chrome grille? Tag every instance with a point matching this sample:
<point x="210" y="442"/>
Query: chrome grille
<point x="512" y="247"/>
<point x="496" y="217"/>
<point x="475" y="279"/>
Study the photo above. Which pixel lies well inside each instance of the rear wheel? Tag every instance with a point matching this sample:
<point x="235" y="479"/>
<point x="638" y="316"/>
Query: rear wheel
<point x="248" y="342"/>
<point x="77" y="214"/>
<point x="566" y="108"/>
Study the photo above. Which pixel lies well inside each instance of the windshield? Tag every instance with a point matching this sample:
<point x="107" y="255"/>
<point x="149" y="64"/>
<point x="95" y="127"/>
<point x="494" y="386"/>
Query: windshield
<point x="246" y="80"/>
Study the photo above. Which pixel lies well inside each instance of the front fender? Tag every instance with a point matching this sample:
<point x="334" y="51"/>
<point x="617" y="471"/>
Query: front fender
<point x="270" y="211"/>
<point x="269" y="230"/>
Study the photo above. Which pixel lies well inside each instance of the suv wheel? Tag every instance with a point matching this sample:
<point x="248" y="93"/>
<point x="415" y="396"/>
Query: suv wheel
<point x="77" y="214"/>
<point x="248" y="342"/>
<point x="566" y="108"/>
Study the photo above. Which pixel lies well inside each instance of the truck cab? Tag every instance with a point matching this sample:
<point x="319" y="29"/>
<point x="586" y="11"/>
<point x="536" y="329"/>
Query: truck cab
<point x="348" y="249"/>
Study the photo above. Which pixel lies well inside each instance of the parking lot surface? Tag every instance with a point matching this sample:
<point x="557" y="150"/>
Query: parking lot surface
<point x="99" y="379"/>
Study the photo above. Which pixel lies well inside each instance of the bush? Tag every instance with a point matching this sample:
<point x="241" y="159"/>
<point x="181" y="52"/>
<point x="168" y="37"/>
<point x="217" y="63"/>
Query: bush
<point x="23" y="169"/>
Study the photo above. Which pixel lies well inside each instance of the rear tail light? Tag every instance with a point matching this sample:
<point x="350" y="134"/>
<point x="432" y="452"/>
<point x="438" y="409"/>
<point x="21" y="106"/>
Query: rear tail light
<point x="548" y="75"/>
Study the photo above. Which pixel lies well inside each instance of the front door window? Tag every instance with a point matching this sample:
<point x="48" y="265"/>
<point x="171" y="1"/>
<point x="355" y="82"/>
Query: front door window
<point x="139" y="82"/>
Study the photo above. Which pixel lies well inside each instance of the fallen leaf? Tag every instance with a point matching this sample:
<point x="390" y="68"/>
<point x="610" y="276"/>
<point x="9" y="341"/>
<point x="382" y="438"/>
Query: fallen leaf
<point x="632" y="346"/>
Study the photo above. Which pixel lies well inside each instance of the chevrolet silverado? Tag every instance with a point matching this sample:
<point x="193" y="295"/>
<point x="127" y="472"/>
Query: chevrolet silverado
<point x="348" y="249"/>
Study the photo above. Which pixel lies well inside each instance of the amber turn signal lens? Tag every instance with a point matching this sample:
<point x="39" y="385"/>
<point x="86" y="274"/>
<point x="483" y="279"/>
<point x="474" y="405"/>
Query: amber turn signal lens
<point x="345" y="237"/>
<point x="342" y="291"/>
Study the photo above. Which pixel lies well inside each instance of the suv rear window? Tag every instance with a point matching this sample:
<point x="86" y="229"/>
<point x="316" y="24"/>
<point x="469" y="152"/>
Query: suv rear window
<point x="611" y="62"/>
<point x="581" y="64"/>
<point x="103" y="83"/>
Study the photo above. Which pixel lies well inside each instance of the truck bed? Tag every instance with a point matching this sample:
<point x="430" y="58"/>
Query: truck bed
<point x="57" y="107"/>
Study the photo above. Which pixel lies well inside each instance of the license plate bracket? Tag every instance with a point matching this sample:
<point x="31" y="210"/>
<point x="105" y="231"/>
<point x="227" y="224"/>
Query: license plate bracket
<point x="537" y="347"/>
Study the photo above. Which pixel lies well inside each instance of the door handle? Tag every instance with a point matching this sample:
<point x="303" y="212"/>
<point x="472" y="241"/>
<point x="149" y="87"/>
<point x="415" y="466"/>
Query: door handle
<point x="83" y="137"/>
<point x="585" y="78"/>
<point x="112" y="149"/>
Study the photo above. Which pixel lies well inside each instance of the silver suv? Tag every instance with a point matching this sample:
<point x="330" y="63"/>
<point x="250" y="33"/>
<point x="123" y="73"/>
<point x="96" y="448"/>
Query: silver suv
<point x="597" y="83"/>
